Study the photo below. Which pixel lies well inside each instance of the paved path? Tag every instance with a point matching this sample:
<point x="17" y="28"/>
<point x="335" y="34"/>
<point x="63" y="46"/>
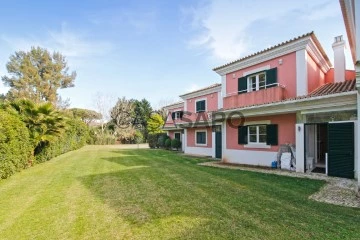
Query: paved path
<point x="338" y="191"/>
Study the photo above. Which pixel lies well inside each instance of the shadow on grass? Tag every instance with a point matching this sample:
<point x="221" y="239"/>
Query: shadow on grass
<point x="156" y="187"/>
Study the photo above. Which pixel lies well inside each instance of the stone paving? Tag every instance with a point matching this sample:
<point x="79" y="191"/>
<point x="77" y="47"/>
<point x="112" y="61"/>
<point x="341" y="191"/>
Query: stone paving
<point x="338" y="191"/>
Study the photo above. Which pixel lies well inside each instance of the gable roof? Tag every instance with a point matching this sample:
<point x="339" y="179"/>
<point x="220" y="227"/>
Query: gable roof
<point x="311" y="35"/>
<point x="201" y="89"/>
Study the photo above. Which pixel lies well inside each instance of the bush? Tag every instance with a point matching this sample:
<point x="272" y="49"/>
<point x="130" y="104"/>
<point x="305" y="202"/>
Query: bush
<point x="75" y="136"/>
<point x="139" y="137"/>
<point x="168" y="143"/>
<point x="99" y="138"/>
<point x="175" y="143"/>
<point x="162" y="140"/>
<point x="15" y="145"/>
<point x="156" y="140"/>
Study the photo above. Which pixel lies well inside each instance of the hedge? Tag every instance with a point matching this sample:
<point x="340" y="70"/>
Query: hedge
<point x="157" y="140"/>
<point x="75" y="136"/>
<point x="175" y="143"/>
<point x="16" y="149"/>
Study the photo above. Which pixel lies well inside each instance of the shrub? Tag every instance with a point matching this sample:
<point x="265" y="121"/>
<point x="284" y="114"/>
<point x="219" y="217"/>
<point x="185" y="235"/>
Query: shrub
<point x="139" y="137"/>
<point x="99" y="138"/>
<point x="167" y="143"/>
<point x="156" y="140"/>
<point x="75" y="136"/>
<point x="175" y="143"/>
<point x="15" y="145"/>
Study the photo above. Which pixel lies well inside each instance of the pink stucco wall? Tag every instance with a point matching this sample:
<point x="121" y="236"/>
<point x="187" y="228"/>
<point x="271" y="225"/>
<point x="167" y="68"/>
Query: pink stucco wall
<point x="211" y="102"/>
<point x="316" y="77"/>
<point x="286" y="75"/>
<point x="171" y="133"/>
<point x="191" y="137"/>
<point x="286" y="127"/>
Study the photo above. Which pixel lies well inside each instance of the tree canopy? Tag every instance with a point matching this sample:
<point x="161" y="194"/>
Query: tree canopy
<point x="37" y="75"/>
<point x="155" y="123"/>
<point x="86" y="115"/>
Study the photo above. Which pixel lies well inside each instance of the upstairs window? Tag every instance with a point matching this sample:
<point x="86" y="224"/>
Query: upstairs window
<point x="258" y="81"/>
<point x="200" y="106"/>
<point x="177" y="115"/>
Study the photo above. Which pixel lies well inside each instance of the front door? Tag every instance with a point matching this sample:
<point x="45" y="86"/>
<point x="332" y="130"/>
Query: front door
<point x="218" y="142"/>
<point x="341" y="150"/>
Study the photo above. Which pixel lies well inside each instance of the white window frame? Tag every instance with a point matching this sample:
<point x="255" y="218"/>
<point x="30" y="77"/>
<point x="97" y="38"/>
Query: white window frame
<point x="176" y="113"/>
<point x="200" y="144"/>
<point x="199" y="100"/>
<point x="256" y="144"/>
<point x="249" y="85"/>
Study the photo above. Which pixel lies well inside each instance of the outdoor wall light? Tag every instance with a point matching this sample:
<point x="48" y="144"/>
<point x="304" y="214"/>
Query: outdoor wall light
<point x="299" y="128"/>
<point x="233" y="75"/>
<point x="280" y="61"/>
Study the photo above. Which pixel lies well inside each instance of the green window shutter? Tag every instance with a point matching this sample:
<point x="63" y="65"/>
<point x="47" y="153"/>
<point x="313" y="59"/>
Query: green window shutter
<point x="198" y="106"/>
<point x="271" y="77"/>
<point x="242" y="85"/>
<point x="272" y="134"/>
<point x="173" y="115"/>
<point x="203" y="105"/>
<point x="242" y="135"/>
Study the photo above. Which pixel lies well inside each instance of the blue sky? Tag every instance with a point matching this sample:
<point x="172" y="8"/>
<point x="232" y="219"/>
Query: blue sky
<point x="157" y="49"/>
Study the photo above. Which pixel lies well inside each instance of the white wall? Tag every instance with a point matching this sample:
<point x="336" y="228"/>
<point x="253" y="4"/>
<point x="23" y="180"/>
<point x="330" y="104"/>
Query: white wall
<point x="213" y="144"/>
<point x="300" y="147"/>
<point x="301" y="73"/>
<point x="249" y="157"/>
<point x="203" y="151"/>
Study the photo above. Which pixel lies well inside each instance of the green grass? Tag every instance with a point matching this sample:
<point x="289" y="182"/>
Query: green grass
<point x="104" y="193"/>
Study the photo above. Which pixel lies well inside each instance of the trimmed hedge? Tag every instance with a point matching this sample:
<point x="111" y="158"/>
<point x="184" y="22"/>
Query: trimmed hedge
<point x="15" y="145"/>
<point x="75" y="136"/>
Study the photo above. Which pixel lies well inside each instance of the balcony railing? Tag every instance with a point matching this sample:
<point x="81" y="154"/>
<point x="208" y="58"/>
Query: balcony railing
<point x="267" y="95"/>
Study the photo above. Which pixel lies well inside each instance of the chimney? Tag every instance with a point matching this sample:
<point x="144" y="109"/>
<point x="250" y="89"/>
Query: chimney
<point x="339" y="59"/>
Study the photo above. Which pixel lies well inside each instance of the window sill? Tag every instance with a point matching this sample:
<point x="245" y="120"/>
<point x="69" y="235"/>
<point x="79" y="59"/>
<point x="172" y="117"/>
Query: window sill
<point x="257" y="145"/>
<point x="201" y="145"/>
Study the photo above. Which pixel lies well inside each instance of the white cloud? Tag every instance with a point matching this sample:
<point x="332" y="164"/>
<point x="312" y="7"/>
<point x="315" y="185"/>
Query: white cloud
<point x="70" y="43"/>
<point x="224" y="26"/>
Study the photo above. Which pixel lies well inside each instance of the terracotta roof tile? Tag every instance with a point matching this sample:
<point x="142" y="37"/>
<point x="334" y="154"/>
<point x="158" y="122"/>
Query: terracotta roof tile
<point x="202" y="89"/>
<point x="312" y="34"/>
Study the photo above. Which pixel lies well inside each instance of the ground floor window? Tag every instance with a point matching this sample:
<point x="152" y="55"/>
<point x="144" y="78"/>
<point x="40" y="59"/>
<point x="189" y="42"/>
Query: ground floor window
<point x="200" y="137"/>
<point x="257" y="134"/>
<point x="177" y="136"/>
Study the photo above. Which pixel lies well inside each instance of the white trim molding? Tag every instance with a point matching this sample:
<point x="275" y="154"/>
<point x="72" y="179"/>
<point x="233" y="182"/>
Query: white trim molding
<point x="249" y="157"/>
<point x="201" y="151"/>
<point x="300" y="44"/>
<point x="201" y="93"/>
<point x="262" y="122"/>
<point x="201" y="144"/>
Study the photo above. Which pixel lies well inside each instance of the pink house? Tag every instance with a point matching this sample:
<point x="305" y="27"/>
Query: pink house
<point x="288" y="94"/>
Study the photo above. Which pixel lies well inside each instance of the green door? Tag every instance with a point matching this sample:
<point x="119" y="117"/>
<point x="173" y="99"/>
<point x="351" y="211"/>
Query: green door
<point x="218" y="143"/>
<point x="341" y="150"/>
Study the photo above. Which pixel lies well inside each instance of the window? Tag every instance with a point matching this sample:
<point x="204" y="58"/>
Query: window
<point x="257" y="134"/>
<point x="200" y="137"/>
<point x="177" y="115"/>
<point x="177" y="136"/>
<point x="200" y="106"/>
<point x="257" y="82"/>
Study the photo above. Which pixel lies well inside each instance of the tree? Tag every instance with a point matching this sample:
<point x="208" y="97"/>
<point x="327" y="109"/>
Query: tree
<point x="37" y="75"/>
<point x="103" y="104"/>
<point x="155" y="123"/>
<point x="86" y="115"/>
<point x="44" y="122"/>
<point x="142" y="112"/>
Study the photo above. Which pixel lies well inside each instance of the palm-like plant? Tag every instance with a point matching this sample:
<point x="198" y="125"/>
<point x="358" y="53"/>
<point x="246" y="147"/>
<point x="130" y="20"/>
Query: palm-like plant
<point x="44" y="122"/>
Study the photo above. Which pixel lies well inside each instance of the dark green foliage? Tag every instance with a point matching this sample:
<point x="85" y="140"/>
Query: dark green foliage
<point x="75" y="136"/>
<point x="175" y="143"/>
<point x="157" y="140"/>
<point x="168" y="143"/>
<point x="15" y="146"/>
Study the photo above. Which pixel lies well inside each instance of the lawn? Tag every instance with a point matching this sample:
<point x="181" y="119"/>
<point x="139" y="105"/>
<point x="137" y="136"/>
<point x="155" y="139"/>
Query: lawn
<point x="106" y="193"/>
